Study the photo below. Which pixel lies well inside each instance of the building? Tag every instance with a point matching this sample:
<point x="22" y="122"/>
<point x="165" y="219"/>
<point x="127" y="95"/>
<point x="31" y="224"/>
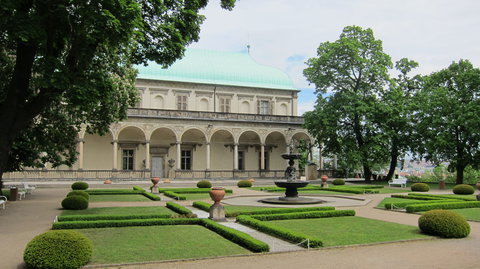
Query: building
<point x="210" y="115"/>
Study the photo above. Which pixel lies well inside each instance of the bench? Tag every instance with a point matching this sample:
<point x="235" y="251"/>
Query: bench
<point x="398" y="181"/>
<point x="21" y="194"/>
<point x="28" y="188"/>
<point x="3" y="201"/>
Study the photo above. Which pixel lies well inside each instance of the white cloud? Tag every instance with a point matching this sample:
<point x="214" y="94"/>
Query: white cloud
<point x="431" y="32"/>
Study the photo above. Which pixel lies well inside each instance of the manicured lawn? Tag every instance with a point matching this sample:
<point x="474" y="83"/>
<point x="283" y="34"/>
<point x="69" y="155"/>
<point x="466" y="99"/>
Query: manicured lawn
<point x="155" y="243"/>
<point x="471" y="197"/>
<point x="469" y="213"/>
<point x="119" y="198"/>
<point x="136" y="210"/>
<point x="351" y="230"/>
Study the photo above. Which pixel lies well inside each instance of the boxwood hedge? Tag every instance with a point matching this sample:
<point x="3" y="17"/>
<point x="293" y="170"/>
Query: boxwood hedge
<point x="280" y="232"/>
<point x="305" y="215"/>
<point x="189" y="190"/>
<point x="178" y="208"/>
<point x="111" y="217"/>
<point x="444" y="223"/>
<point x="440" y="205"/>
<point x="175" y="195"/>
<point x="113" y="191"/>
<point x="151" y="196"/>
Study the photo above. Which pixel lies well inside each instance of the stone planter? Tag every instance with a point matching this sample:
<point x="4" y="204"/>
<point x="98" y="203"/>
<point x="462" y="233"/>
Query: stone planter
<point x="107" y="181"/>
<point x="217" y="194"/>
<point x="155" y="180"/>
<point x="324" y="178"/>
<point x="217" y="212"/>
<point x="441" y="185"/>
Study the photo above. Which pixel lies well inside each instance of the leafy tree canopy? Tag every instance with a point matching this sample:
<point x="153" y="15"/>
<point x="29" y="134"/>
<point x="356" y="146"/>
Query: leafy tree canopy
<point x="68" y="63"/>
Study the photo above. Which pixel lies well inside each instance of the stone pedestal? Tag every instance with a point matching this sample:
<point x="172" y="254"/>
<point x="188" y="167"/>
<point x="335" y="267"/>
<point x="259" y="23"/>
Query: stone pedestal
<point x="217" y="212"/>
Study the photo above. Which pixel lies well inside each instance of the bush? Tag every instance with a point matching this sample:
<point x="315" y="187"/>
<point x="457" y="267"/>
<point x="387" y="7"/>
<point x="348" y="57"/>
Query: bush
<point x="75" y="202"/>
<point x="58" y="249"/>
<point x="138" y="188"/>
<point x="112" y="217"/>
<point x="279" y="232"/>
<point x="244" y="184"/>
<point x="241" y="238"/>
<point x="305" y="215"/>
<point x="422" y="187"/>
<point x="80" y="185"/>
<point x="440" y="205"/>
<point x="114" y="191"/>
<point x="204" y="184"/>
<point x="444" y="223"/>
<point x="178" y="208"/>
<point x="463" y="189"/>
<point x="151" y="196"/>
<point x="79" y="193"/>
<point x="190" y="190"/>
<point x="338" y="181"/>
<point x="175" y="195"/>
<point x="122" y="223"/>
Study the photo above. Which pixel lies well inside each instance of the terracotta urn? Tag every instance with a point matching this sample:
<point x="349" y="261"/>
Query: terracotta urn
<point x="217" y="194"/>
<point x="107" y="181"/>
<point x="155" y="180"/>
<point x="324" y="178"/>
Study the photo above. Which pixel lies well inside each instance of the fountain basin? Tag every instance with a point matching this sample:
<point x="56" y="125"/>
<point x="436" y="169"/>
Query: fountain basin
<point x="291" y="194"/>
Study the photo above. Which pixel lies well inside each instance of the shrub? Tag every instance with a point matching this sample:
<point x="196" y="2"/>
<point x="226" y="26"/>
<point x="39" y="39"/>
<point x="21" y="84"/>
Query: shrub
<point x="280" y="232"/>
<point x="190" y="190"/>
<point x="422" y="187"/>
<point x="79" y="193"/>
<point x="441" y="205"/>
<point x="175" y="195"/>
<point x="444" y="223"/>
<point x="80" y="185"/>
<point x="241" y="238"/>
<point x="58" y="249"/>
<point x="75" y="202"/>
<point x="244" y="184"/>
<point x="338" y="181"/>
<point x="178" y="208"/>
<point x="204" y="184"/>
<point x="113" y="191"/>
<point x="112" y="217"/>
<point x="463" y="189"/>
<point x="151" y="196"/>
<point x="122" y="223"/>
<point x="138" y="188"/>
<point x="305" y="215"/>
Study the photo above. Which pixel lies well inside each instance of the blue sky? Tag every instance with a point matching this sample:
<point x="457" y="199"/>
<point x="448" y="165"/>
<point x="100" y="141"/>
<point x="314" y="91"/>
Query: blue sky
<point x="285" y="33"/>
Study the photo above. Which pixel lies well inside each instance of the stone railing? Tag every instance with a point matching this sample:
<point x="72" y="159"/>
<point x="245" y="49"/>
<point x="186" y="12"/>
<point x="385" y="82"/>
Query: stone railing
<point x="212" y="116"/>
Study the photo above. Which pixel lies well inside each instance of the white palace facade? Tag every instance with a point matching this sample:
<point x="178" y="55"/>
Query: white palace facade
<point x="210" y="115"/>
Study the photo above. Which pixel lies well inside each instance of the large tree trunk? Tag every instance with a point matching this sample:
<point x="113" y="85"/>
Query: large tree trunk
<point x="367" y="172"/>
<point x="393" y="160"/>
<point x="460" y="168"/>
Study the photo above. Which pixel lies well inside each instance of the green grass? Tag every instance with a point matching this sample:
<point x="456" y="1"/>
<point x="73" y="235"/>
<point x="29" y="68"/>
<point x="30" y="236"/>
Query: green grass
<point x="392" y="200"/>
<point x="200" y="196"/>
<point x="118" y="198"/>
<point x="471" y="197"/>
<point x="433" y="186"/>
<point x="155" y="243"/>
<point x="351" y="230"/>
<point x="136" y="210"/>
<point x="469" y="213"/>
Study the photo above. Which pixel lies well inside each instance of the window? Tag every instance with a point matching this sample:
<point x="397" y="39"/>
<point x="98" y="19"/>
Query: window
<point x="182" y="102"/>
<point x="264" y="107"/>
<point x="241" y="160"/>
<point x="186" y="161"/>
<point x="225" y="105"/>
<point x="127" y="159"/>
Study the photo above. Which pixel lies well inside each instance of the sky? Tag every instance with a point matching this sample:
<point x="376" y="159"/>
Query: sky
<point x="286" y="33"/>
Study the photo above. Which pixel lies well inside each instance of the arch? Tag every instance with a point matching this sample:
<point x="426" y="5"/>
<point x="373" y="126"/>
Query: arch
<point x="163" y="136"/>
<point x="131" y="133"/>
<point x="276" y="145"/>
<point x="301" y="135"/>
<point x="245" y="107"/>
<point x="249" y="136"/>
<point x="221" y="148"/>
<point x="158" y="102"/>
<point x="223" y="133"/>
<point x="195" y="133"/>
<point x="203" y="105"/>
<point x="276" y="135"/>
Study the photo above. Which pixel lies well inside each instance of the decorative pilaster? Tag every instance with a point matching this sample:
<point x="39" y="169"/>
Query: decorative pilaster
<point x="80" y="153"/>
<point x="147" y="155"/>
<point x="115" y="154"/>
<point x="262" y="157"/>
<point x="179" y="153"/>
<point x="235" y="156"/>
<point x="208" y="155"/>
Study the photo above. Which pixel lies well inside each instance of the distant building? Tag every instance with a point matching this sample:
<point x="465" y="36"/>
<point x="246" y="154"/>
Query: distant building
<point x="210" y="115"/>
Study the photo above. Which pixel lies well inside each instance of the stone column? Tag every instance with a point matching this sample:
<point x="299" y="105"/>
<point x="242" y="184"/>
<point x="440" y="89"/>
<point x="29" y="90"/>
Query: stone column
<point x="80" y="154"/>
<point x="208" y="155"/>
<point x="235" y="156"/>
<point x="115" y="154"/>
<point x="147" y="155"/>
<point x="179" y="154"/>
<point x="320" y="157"/>
<point x="262" y="157"/>
<point x="335" y="166"/>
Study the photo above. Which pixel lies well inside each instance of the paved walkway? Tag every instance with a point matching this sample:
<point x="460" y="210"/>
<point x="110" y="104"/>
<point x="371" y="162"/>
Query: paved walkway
<point x="22" y="220"/>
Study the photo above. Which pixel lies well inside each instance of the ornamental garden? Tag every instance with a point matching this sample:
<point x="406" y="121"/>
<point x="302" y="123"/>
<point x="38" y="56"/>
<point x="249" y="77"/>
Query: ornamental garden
<point x="173" y="227"/>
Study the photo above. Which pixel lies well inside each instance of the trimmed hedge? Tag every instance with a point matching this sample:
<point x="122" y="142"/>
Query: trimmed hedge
<point x="204" y="184"/>
<point x="138" y="188"/>
<point x="354" y="190"/>
<point x="113" y="191"/>
<point x="179" y="208"/>
<point x="440" y="205"/>
<point x="443" y="196"/>
<point x="111" y="217"/>
<point x="422" y="187"/>
<point x="305" y="215"/>
<point x="280" y="232"/>
<point x="122" y="223"/>
<point x="244" y="184"/>
<point x="75" y="202"/>
<point x="202" y="205"/>
<point x="444" y="223"/>
<point x="338" y="181"/>
<point x="58" y="250"/>
<point x="463" y="189"/>
<point x="80" y="185"/>
<point x="241" y="238"/>
<point x="417" y="196"/>
<point x="151" y="196"/>
<point x="84" y="194"/>
<point x="190" y="190"/>
<point x="175" y="195"/>
<point x="398" y="205"/>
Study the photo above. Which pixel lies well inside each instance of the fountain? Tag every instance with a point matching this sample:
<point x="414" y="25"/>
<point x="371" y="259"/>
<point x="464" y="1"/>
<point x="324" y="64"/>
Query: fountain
<point x="291" y="184"/>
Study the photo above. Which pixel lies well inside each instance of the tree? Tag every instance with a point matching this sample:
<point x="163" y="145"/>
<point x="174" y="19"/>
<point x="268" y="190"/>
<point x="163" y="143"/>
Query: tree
<point x="64" y="64"/>
<point x="394" y="112"/>
<point x="447" y="121"/>
<point x="354" y="69"/>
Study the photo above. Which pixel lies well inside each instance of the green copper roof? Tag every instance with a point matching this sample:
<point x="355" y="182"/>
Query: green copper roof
<point x="218" y="68"/>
